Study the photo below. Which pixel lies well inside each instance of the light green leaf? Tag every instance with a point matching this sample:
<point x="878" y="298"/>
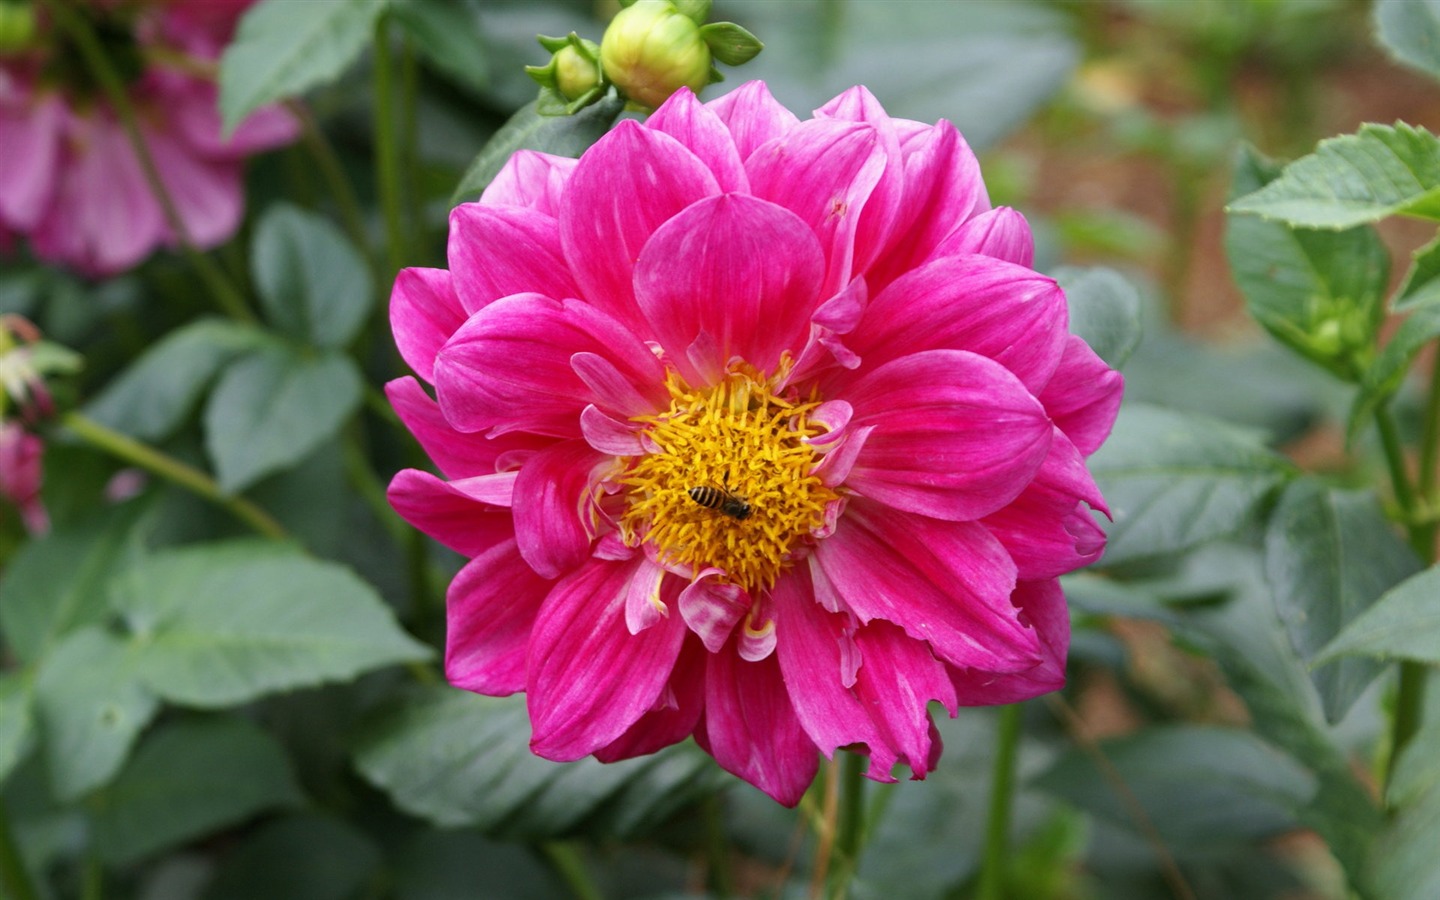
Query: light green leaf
<point x="1404" y="623"/>
<point x="528" y="130"/>
<point x="190" y="778"/>
<point x="729" y="43"/>
<point x="57" y="583"/>
<point x="283" y="48"/>
<point x="272" y="408"/>
<point x="1104" y="310"/>
<point x="1410" y="30"/>
<point x="1418" y="769"/>
<point x="1174" y="481"/>
<point x="152" y="397"/>
<point x="449" y="38"/>
<point x="1387" y="373"/>
<point x="313" y="283"/>
<point x="17" y="693"/>
<point x="458" y="759"/>
<point x="1329" y="554"/>
<point x="1199" y="786"/>
<point x="1354" y="179"/>
<point x="1421" y="286"/>
<point x="1320" y="293"/>
<point x="305" y="857"/>
<point x="1403" y="862"/>
<point x="91" y="707"/>
<point x="219" y="624"/>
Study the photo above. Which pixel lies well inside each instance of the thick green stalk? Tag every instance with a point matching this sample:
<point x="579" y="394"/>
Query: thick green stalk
<point x="14" y="878"/>
<point x="126" y="448"/>
<point x="571" y="868"/>
<point x="850" y="824"/>
<point x="717" y="849"/>
<point x="225" y="293"/>
<point x="387" y="155"/>
<point x="1002" y="792"/>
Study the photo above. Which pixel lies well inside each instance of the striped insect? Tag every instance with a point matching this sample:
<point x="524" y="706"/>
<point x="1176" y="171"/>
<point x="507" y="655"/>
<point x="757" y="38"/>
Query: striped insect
<point x="722" y="500"/>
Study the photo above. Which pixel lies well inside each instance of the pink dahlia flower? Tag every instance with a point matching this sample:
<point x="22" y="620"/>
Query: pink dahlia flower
<point x="755" y="429"/>
<point x="71" y="180"/>
<point x="20" y="472"/>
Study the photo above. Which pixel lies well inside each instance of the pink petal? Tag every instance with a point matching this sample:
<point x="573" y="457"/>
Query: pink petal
<point x="192" y="110"/>
<point x="684" y="118"/>
<point x="206" y="192"/>
<point x="509" y="368"/>
<point x="1001" y="233"/>
<point x="753" y="116"/>
<point x="1012" y="315"/>
<point x="448" y="513"/>
<point x="30" y="136"/>
<point x="751" y="727"/>
<point x="712" y="608"/>
<point x="898" y="678"/>
<point x="1047" y="530"/>
<point x="490" y="610"/>
<point x="458" y="455"/>
<point x="740" y="270"/>
<point x="1042" y="605"/>
<point x="643" y="606"/>
<point x="531" y="179"/>
<point x="625" y="186"/>
<point x="947" y="583"/>
<point x="424" y="313"/>
<point x="673" y="718"/>
<point x="956" y="435"/>
<point x="496" y="251"/>
<point x="609" y="435"/>
<point x="813" y="647"/>
<point x="1083" y="396"/>
<point x="554" y="507"/>
<point x="875" y="230"/>
<point x="824" y="171"/>
<point x="590" y="679"/>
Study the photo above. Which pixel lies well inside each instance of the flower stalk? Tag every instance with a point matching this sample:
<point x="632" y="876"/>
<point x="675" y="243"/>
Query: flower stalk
<point x="1002" y="792"/>
<point x="387" y="155"/>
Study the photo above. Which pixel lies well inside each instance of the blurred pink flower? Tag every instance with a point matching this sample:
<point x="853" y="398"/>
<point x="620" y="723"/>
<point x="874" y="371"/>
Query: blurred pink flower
<point x="20" y="458"/>
<point x="72" y="182"/>
<point x="755" y="429"/>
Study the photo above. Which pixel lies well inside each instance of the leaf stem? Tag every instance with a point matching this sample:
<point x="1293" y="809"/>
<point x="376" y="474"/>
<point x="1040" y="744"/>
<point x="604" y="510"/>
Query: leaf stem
<point x="567" y="863"/>
<point x="1002" y="790"/>
<point x="717" y="850"/>
<point x="850" y="826"/>
<point x="333" y="173"/>
<point x="14" y="877"/>
<point x="387" y="161"/>
<point x="126" y="448"/>
<point x="225" y="293"/>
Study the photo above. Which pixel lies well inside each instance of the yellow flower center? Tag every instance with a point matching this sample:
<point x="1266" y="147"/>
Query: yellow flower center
<point x="729" y="484"/>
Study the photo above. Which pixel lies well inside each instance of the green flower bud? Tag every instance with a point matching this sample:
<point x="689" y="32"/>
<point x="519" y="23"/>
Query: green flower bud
<point x="572" y="79"/>
<point x="575" y="75"/>
<point x="17" y="26"/>
<point x="651" y="50"/>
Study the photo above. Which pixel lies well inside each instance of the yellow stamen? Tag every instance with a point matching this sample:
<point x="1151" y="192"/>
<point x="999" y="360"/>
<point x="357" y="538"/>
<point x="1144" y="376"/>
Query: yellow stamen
<point x="748" y="444"/>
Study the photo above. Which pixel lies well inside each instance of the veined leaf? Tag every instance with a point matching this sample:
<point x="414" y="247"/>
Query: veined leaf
<point x="1104" y="310"/>
<point x="313" y="283"/>
<point x="528" y="130"/>
<point x="1404" y="624"/>
<point x="1410" y="30"/>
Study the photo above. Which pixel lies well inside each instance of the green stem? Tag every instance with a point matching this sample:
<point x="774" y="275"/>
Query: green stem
<point x="1429" y="478"/>
<point x="387" y="157"/>
<point x="566" y="861"/>
<point x="850" y="825"/>
<point x="225" y="293"/>
<point x="409" y="141"/>
<point x="173" y="470"/>
<point x="322" y="152"/>
<point x="14" y="877"/>
<point x="717" y="849"/>
<point x="1002" y="790"/>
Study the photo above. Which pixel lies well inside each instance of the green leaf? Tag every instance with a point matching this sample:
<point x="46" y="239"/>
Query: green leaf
<point x="1354" y="179"/>
<point x="272" y="408"/>
<point x="17" y="692"/>
<point x="729" y="43"/>
<point x="528" y="130"/>
<point x="190" y="778"/>
<point x="1422" y="282"/>
<point x="1329" y="554"/>
<point x="1104" y="310"/>
<point x="447" y="36"/>
<point x="152" y="398"/>
<point x="91" y="708"/>
<point x="1387" y="373"/>
<point x="57" y="583"/>
<point x="1320" y="293"/>
<point x="444" y="865"/>
<point x="1403" y="863"/>
<point x="220" y="624"/>
<point x="283" y="48"/>
<point x="1410" y="30"/>
<point x="1418" y="769"/>
<point x="1199" y="786"/>
<point x="1174" y="481"/>
<point x="458" y="759"/>
<point x="1404" y="623"/>
<point x="305" y="857"/>
<point x="313" y="283"/>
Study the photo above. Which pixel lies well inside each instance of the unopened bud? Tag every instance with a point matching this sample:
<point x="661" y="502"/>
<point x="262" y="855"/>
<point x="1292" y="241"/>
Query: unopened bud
<point x="651" y="50"/>
<point x="572" y="79"/>
<point x="17" y="26"/>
